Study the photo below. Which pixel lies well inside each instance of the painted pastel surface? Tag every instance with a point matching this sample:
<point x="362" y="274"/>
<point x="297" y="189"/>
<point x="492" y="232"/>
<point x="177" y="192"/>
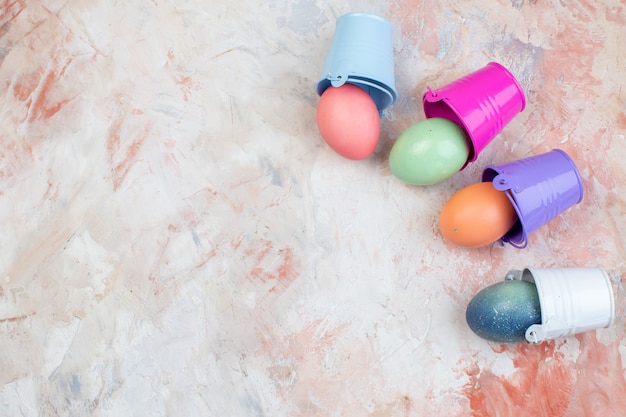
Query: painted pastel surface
<point x="179" y="240"/>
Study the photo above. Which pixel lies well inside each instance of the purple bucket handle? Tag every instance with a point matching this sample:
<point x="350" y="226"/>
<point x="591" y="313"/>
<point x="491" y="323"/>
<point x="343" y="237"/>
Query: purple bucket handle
<point x="505" y="182"/>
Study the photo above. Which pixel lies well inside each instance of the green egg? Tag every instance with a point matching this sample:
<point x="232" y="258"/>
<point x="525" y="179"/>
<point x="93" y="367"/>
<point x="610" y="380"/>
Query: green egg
<point x="429" y="152"/>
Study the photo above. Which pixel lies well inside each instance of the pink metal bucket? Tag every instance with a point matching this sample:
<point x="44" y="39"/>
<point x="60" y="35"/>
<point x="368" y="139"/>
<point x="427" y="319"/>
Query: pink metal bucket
<point x="482" y="103"/>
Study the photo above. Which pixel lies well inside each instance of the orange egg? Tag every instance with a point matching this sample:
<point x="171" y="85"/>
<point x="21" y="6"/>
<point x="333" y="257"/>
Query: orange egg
<point x="348" y="121"/>
<point x="477" y="215"/>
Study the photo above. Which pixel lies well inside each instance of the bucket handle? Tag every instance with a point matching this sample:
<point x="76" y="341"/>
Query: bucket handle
<point x="339" y="76"/>
<point x="504" y="182"/>
<point x="552" y="328"/>
<point x="521" y="245"/>
<point x="515" y="275"/>
<point x="433" y="93"/>
<point x="536" y="333"/>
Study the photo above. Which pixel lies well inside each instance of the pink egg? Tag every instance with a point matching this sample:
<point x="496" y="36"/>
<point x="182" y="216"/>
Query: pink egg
<point x="348" y="121"/>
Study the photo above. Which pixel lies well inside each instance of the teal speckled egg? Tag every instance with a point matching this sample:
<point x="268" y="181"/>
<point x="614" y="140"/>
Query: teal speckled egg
<point x="502" y="312"/>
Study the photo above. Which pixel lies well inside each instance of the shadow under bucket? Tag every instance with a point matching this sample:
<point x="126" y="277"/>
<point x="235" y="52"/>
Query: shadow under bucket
<point x="540" y="188"/>
<point x="482" y="103"/>
<point x="361" y="53"/>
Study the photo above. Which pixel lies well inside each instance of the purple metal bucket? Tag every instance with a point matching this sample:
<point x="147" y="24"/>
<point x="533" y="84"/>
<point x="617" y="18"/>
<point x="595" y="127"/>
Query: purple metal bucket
<point x="540" y="188"/>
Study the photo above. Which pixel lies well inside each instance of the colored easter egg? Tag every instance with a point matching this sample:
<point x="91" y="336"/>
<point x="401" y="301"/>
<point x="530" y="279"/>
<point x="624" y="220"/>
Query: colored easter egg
<point x="348" y="120"/>
<point x="429" y="152"/>
<point x="477" y="215"/>
<point x="502" y="312"/>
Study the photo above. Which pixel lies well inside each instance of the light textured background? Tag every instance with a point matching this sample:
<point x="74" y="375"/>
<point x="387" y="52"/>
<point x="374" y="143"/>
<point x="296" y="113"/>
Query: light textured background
<point x="178" y="240"/>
